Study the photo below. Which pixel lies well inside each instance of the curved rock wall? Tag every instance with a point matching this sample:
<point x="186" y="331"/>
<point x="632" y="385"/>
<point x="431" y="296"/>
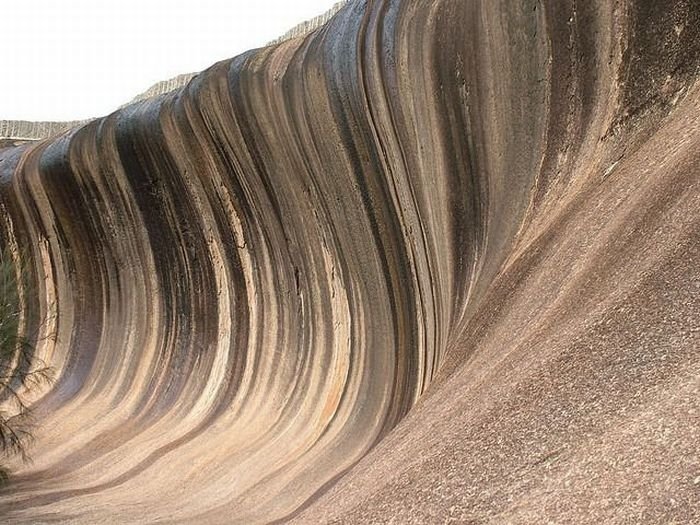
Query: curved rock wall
<point x="476" y="220"/>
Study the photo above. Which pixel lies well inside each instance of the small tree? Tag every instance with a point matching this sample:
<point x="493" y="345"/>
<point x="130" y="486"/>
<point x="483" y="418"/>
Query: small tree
<point x="20" y="369"/>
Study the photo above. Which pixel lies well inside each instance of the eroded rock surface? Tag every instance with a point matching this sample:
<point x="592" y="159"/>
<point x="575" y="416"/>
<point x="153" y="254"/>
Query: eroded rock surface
<point x="435" y="262"/>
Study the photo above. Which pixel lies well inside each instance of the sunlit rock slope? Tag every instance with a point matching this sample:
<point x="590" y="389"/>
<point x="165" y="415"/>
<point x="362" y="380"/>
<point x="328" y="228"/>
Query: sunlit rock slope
<point x="437" y="261"/>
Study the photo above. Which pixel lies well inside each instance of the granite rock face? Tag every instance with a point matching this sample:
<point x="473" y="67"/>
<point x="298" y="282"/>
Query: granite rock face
<point x="434" y="262"/>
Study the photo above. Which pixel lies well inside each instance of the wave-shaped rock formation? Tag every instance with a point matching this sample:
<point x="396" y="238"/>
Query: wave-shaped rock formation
<point x="437" y="261"/>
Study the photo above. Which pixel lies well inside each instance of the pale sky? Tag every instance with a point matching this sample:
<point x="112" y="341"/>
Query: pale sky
<point x="75" y="59"/>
